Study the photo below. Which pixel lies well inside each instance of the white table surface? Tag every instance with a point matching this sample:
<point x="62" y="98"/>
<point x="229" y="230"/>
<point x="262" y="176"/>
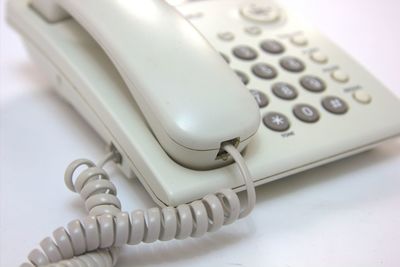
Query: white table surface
<point x="343" y="214"/>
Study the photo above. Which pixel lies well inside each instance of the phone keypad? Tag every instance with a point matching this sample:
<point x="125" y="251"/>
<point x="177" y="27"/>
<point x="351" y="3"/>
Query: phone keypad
<point x="278" y="59"/>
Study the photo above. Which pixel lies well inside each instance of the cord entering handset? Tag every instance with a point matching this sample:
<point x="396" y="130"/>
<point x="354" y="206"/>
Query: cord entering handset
<point x="222" y="154"/>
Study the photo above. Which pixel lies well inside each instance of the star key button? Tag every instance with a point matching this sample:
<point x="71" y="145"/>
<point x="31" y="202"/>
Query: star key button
<point x="276" y="121"/>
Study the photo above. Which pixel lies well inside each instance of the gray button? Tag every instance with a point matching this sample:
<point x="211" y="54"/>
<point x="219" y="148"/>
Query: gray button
<point x="284" y="91"/>
<point x="292" y="64"/>
<point x="306" y="113"/>
<point x="276" y="121"/>
<point x="245" y="52"/>
<point x="313" y="83"/>
<point x="260" y="97"/>
<point x="225" y="57"/>
<point x="264" y="71"/>
<point x="335" y="105"/>
<point x="272" y="47"/>
<point x="242" y="76"/>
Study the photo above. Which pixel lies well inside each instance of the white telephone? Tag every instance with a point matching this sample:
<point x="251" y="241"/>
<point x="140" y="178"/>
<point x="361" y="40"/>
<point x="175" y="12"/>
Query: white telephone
<point x="166" y="89"/>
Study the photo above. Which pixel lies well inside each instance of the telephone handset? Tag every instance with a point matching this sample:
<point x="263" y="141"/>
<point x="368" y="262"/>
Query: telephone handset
<point x="173" y="114"/>
<point x="191" y="100"/>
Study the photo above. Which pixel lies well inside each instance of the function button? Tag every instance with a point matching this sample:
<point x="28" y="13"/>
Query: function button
<point x="340" y="76"/>
<point x="226" y="36"/>
<point x="284" y="91"/>
<point x="266" y="13"/>
<point x="299" y="40"/>
<point x="362" y="97"/>
<point x="276" y="121"/>
<point x="245" y="52"/>
<point x="319" y="57"/>
<point x="260" y="97"/>
<point x="225" y="57"/>
<point x="306" y="113"/>
<point x="264" y="71"/>
<point x="253" y="30"/>
<point x="243" y="77"/>
<point x="335" y="105"/>
<point x="292" y="64"/>
<point x="313" y="84"/>
<point x="272" y="47"/>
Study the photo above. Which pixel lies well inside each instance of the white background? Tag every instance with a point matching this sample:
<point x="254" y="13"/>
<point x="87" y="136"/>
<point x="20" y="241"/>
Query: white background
<point x="343" y="214"/>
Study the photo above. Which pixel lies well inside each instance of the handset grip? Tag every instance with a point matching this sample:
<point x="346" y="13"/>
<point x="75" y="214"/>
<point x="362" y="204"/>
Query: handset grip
<point x="191" y="99"/>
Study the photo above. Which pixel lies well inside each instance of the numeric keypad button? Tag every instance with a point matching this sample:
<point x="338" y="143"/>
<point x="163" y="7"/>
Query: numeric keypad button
<point x="245" y="52"/>
<point x="284" y="91"/>
<point x="292" y="64"/>
<point x="264" y="71"/>
<point x="276" y="121"/>
<point x="313" y="84"/>
<point x="260" y="97"/>
<point x="335" y="105"/>
<point x="243" y="77"/>
<point x="306" y="113"/>
<point x="272" y="47"/>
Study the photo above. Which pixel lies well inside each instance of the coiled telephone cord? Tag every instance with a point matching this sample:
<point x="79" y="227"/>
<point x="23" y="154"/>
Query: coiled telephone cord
<point x="95" y="240"/>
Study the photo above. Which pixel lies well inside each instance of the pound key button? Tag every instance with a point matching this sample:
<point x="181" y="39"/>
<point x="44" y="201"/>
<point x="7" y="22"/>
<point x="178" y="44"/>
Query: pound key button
<point x="276" y="121"/>
<point x="335" y="105"/>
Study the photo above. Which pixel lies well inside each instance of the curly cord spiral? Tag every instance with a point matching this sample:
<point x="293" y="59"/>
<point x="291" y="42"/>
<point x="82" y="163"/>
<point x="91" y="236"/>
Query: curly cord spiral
<point x="94" y="241"/>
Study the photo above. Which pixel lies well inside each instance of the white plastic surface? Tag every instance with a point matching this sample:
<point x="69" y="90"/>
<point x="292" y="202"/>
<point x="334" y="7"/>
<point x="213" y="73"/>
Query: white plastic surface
<point x="343" y="214"/>
<point x="87" y="79"/>
<point x="192" y="101"/>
